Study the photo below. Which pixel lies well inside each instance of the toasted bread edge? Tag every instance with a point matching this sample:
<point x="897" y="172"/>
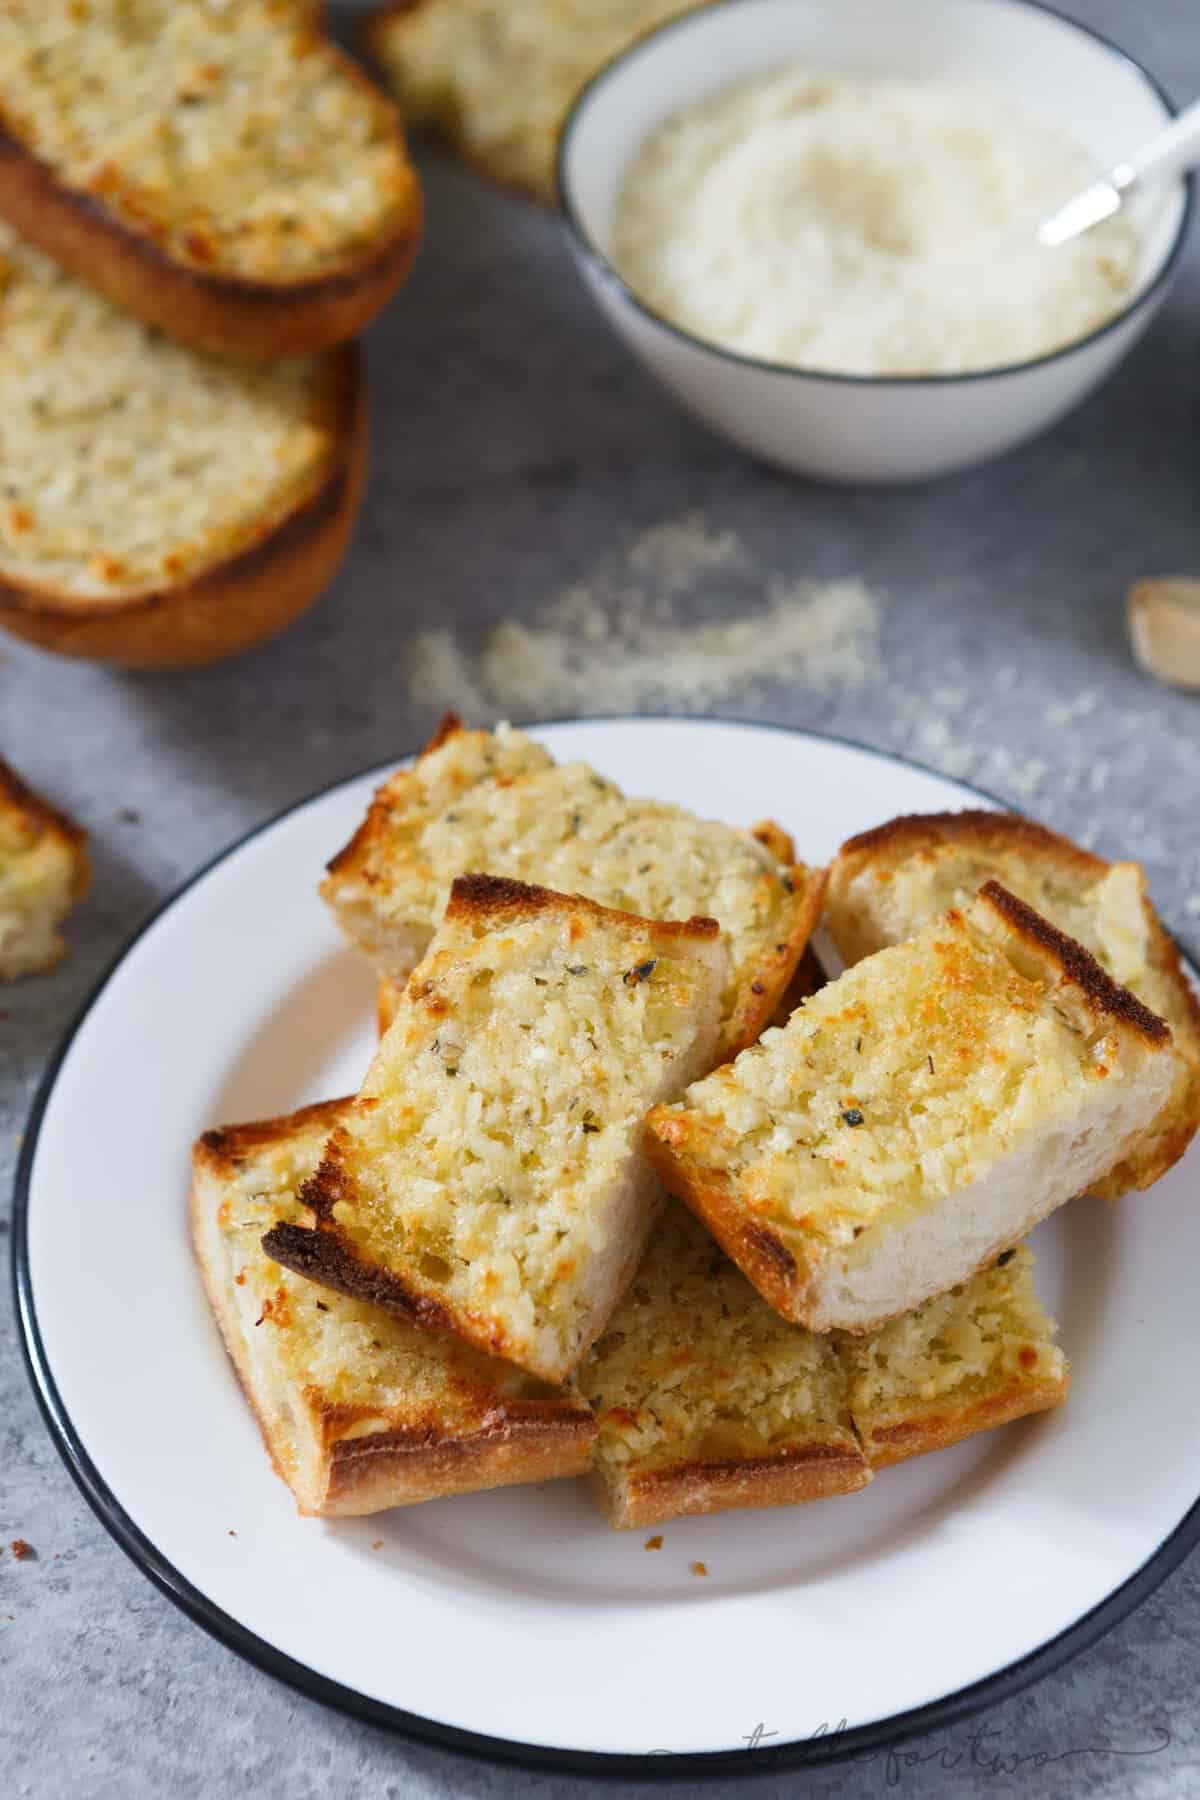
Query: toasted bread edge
<point x="234" y="604"/>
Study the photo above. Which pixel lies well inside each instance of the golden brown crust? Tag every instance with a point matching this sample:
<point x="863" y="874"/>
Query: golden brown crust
<point x="234" y="604"/>
<point x="395" y="1468"/>
<point x="222" y="1151"/>
<point x="760" y="998"/>
<point x="788" y="1478"/>
<point x="233" y="316"/>
<point x="1103" y="996"/>
<point x="938" y="1428"/>
<point x="415" y="1458"/>
<point x="774" y="838"/>
<point x="387" y="1000"/>
<point x="491" y="897"/>
<point x="986" y="831"/>
<point x="809" y="978"/>
<point x="767" y="1262"/>
<point x="17" y="796"/>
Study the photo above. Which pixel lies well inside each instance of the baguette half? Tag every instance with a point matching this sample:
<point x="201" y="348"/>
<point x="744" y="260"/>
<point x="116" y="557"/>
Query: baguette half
<point x="44" y="872"/>
<point x="358" y="1410"/>
<point x="161" y="508"/>
<point x="497" y="800"/>
<point x="918" y="1116"/>
<point x="489" y="1179"/>
<point x="887" y="883"/>
<point x="218" y="168"/>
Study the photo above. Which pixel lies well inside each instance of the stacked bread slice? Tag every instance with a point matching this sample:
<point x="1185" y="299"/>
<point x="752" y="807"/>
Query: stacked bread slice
<point x="201" y="205"/>
<point x="466" y="1275"/>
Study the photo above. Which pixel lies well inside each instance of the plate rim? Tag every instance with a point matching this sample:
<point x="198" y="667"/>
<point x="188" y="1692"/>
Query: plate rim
<point x="823" y="1748"/>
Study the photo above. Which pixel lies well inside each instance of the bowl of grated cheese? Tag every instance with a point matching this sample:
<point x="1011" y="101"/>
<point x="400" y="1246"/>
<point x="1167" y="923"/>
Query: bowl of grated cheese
<point x="814" y="222"/>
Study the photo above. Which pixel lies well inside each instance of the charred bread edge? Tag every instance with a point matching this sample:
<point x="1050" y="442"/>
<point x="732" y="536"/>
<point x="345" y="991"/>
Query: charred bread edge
<point x="532" y="1437"/>
<point x="790" y="1476"/>
<point x="1102" y="994"/>
<point x="235" y="603"/>
<point x="952" y="1422"/>
<point x="768" y="1262"/>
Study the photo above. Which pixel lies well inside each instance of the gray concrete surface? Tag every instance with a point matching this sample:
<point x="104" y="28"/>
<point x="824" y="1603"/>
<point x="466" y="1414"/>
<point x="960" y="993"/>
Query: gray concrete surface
<point x="515" y="446"/>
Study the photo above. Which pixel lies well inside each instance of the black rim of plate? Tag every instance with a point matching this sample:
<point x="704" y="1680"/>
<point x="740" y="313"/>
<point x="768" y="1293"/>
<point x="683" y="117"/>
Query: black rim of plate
<point x="823" y="1747"/>
<point x="601" y="265"/>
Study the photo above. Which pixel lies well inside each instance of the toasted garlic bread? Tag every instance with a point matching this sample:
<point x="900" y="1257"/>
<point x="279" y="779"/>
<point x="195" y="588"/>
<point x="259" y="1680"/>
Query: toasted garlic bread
<point x="964" y="1361"/>
<point x="44" y="871"/>
<point x="706" y="1399"/>
<point x="216" y="167"/>
<point x="489" y="1179"/>
<point x="497" y="79"/>
<point x="888" y="883"/>
<point x="498" y="801"/>
<point x="917" y="1116"/>
<point x="161" y="507"/>
<point x="359" y="1410"/>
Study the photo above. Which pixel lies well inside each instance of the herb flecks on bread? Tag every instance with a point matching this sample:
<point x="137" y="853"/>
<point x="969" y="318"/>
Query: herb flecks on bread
<point x="43" y="873"/>
<point x="498" y="801"/>
<point x="489" y="1179"/>
<point x="705" y="1399"/>
<point x="917" y="1116"/>
<point x="359" y="1410"/>
<point x="887" y="883"/>
<point x="967" y="1360"/>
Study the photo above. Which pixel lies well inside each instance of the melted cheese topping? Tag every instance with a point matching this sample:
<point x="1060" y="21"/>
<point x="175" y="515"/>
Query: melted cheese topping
<point x="495" y="1147"/>
<point x="227" y="131"/>
<point x="127" y="462"/>
<point x="695" y="1366"/>
<point x="497" y="802"/>
<point x="322" y="1349"/>
<point x="918" y="1072"/>
<point x="1107" y="912"/>
<point x="974" y="1339"/>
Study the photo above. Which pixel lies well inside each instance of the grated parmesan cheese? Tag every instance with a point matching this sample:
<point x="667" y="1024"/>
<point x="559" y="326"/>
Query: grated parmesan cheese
<point x="869" y="227"/>
<point x="615" y="641"/>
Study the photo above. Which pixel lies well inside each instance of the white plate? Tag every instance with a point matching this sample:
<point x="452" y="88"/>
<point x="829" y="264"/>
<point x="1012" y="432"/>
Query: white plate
<point x="517" y="1623"/>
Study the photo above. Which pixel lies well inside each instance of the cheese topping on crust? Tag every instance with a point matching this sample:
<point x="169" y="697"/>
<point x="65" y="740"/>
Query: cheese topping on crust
<point x="228" y="132"/>
<point x="130" y="463"/>
<point x="492" y="1161"/>
<point x="696" y="1367"/>
<point x="497" y="801"/>
<point x="918" y="1072"/>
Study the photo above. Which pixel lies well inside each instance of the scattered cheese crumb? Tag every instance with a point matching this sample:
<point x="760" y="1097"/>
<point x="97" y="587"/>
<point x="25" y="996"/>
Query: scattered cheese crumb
<point x="699" y="1568"/>
<point x="654" y="1543"/>
<point x="614" y="642"/>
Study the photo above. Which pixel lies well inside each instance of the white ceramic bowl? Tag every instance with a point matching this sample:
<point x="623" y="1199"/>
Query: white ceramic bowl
<point x="849" y="427"/>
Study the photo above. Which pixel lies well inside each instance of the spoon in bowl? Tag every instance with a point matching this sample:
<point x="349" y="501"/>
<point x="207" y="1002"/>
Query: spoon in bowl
<point x="1171" y="152"/>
